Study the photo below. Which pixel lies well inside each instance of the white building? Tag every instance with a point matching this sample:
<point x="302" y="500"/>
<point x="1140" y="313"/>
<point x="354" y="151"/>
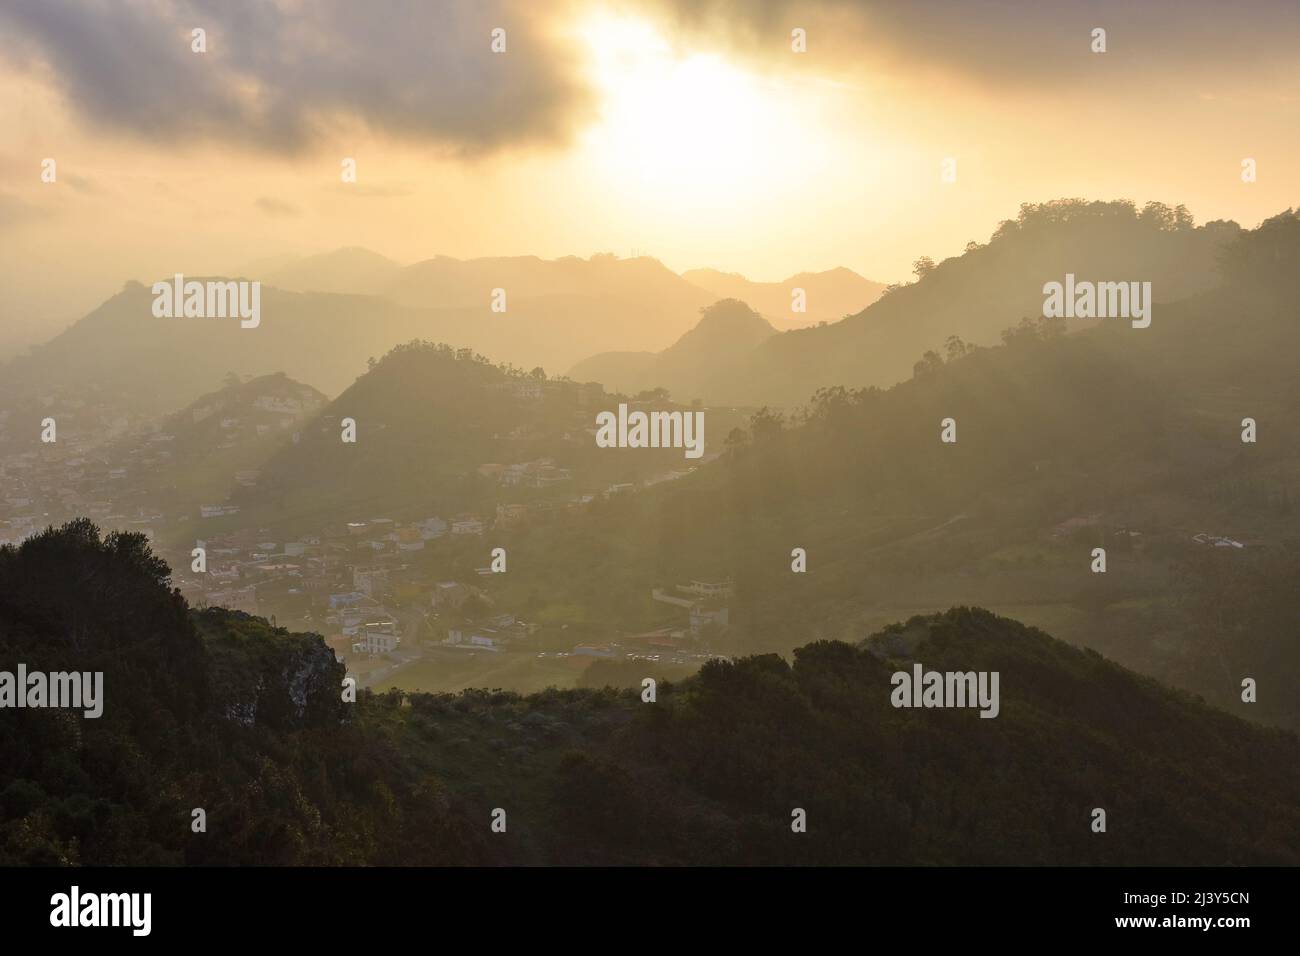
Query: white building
<point x="377" y="637"/>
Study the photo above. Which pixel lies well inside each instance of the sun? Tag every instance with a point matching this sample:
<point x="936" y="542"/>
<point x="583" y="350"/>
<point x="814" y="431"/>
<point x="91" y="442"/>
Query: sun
<point x="689" y="126"/>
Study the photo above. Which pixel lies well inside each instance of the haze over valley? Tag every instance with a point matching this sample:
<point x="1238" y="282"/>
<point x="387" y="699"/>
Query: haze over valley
<point x="653" y="421"/>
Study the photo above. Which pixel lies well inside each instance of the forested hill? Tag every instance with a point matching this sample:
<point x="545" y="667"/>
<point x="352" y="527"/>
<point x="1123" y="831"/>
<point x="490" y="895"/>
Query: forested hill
<point x="202" y="709"/>
<point x="974" y="296"/>
<point x="219" y="711"/>
<point x="428" y="419"/>
<point x="1113" y="437"/>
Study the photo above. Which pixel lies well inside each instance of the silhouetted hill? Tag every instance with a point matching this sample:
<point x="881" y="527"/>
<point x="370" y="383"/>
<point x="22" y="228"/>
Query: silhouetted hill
<point x="211" y="710"/>
<point x="978" y="294"/>
<point x="557" y="310"/>
<point x="123" y="358"/>
<point x="198" y="455"/>
<point x="1115" y="437"/>
<point x="352" y="270"/>
<point x="435" y="427"/>
<point x="713" y="771"/>
<point x="830" y="295"/>
<point x="726" y="332"/>
<point x="217" y="710"/>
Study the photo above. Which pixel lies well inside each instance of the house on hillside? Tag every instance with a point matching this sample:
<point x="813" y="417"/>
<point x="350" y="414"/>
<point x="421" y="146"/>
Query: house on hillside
<point x="474" y="637"/>
<point x="377" y="637"/>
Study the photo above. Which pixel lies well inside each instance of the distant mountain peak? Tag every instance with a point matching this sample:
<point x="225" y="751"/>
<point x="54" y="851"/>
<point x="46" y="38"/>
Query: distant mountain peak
<point x="729" y="317"/>
<point x="827" y="296"/>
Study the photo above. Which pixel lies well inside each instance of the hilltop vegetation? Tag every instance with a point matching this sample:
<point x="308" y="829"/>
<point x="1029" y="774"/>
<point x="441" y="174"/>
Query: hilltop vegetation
<point x="218" y="710"/>
<point x="211" y="710"/>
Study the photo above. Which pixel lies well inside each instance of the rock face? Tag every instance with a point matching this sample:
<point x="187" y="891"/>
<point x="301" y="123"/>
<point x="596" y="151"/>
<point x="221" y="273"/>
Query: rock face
<point x="269" y="677"/>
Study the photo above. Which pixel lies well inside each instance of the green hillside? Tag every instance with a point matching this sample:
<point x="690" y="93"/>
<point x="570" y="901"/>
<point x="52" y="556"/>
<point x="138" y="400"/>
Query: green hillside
<point x="1115" y="437"/>
<point x="198" y="455"/>
<point x="429" y="418"/>
<point x="219" y="711"/>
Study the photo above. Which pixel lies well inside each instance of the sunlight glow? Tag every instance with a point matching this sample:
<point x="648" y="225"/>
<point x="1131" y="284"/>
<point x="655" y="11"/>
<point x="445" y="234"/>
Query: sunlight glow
<point x="693" y="127"/>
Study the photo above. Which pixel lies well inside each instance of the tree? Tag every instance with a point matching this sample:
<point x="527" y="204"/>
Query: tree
<point x="766" y="424"/>
<point x="736" y="439"/>
<point x="923" y="267"/>
<point x="930" y="363"/>
<point x="955" y="348"/>
<point x="1157" y="214"/>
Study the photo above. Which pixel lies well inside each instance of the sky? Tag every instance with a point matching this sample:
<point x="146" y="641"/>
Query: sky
<point x="689" y="130"/>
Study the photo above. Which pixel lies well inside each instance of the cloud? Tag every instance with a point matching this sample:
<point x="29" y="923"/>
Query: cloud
<point x="286" y="76"/>
<point x="996" y="43"/>
<point x="290" y="76"/>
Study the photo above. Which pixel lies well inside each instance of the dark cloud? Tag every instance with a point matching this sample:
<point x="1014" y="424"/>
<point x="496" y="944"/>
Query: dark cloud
<point x="285" y="76"/>
<point x="1000" y="42"/>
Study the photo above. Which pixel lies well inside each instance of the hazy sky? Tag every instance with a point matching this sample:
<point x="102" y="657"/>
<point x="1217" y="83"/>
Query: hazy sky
<point x="684" y="129"/>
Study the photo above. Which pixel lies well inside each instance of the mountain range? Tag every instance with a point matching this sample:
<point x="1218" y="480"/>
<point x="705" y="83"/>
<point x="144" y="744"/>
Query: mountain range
<point x="324" y="316"/>
<point x="1106" y="436"/>
<point x="972" y="297"/>
<point x="828" y="296"/>
<point x="1129" y="440"/>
